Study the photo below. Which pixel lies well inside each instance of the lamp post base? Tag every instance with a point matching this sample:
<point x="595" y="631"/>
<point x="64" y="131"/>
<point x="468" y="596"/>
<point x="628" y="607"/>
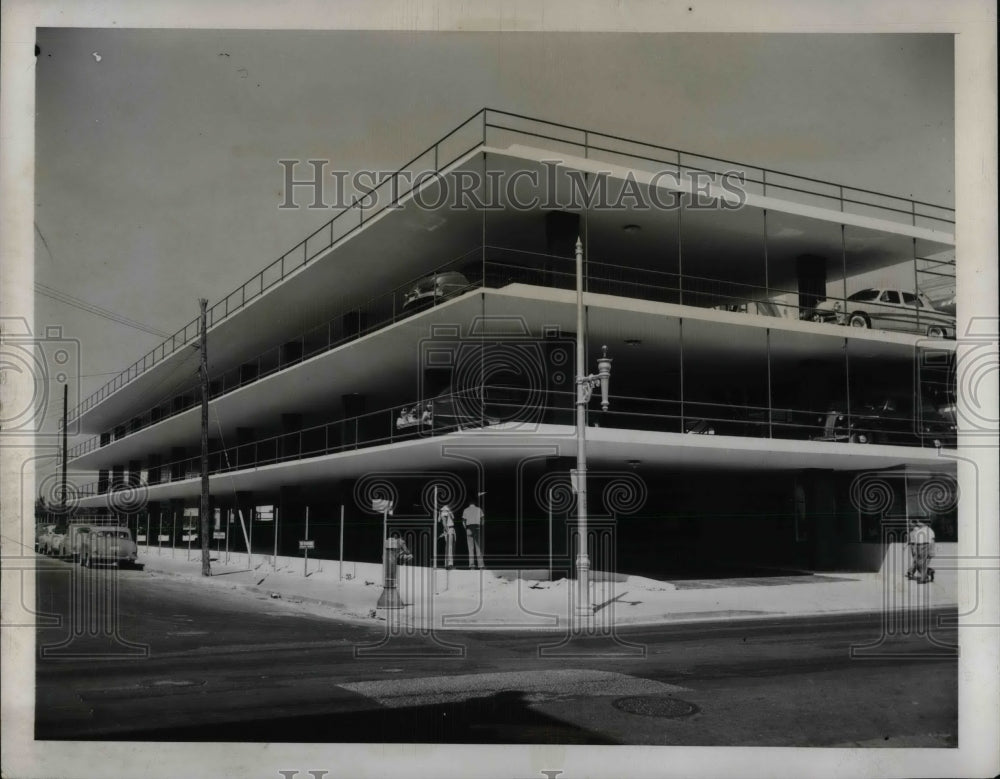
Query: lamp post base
<point x="583" y="612"/>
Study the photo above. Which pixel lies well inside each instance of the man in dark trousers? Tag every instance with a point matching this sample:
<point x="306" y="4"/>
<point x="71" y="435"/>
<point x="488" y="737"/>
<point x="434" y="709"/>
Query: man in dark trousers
<point x="473" y="519"/>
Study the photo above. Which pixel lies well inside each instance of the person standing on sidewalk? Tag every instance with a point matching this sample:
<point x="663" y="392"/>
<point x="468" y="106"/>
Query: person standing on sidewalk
<point x="924" y="545"/>
<point x="473" y="519"/>
<point x="447" y="520"/>
<point x="911" y="545"/>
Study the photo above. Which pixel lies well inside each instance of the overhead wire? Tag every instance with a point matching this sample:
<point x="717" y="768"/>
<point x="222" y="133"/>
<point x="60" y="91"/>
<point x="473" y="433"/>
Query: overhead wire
<point x="91" y="308"/>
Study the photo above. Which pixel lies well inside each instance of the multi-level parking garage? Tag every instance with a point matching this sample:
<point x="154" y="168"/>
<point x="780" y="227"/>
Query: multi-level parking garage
<point x="418" y="340"/>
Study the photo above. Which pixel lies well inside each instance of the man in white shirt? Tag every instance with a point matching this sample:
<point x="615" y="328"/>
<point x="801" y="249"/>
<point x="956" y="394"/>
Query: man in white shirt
<point x="473" y="519"/>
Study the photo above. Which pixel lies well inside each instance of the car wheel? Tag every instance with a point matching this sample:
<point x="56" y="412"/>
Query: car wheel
<point x="859" y="319"/>
<point x="860" y="438"/>
<point x="935" y="331"/>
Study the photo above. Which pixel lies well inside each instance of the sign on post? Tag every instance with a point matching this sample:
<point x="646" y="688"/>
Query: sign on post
<point x="218" y="535"/>
<point x="140" y="539"/>
<point x="162" y="537"/>
<point x="307" y="544"/>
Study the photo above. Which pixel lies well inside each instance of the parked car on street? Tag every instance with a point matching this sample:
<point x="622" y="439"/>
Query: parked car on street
<point x="70" y="546"/>
<point x="890" y="420"/>
<point x="42" y="532"/>
<point x="886" y="309"/>
<point x="434" y="288"/>
<point x="107" y="545"/>
<point x="52" y="542"/>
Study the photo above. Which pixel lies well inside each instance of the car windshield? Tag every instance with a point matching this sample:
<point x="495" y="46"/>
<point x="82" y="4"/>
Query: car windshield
<point x="863" y="295"/>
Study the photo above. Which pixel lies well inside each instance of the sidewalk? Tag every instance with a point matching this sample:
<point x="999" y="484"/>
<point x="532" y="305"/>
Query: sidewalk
<point x="466" y="599"/>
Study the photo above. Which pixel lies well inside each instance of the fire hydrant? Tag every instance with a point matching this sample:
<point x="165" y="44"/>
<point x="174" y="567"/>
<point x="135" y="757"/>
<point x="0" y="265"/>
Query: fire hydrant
<point x="394" y="552"/>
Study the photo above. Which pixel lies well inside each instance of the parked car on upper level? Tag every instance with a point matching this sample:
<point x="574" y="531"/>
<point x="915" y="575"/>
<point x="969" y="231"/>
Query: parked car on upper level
<point x="886" y="309"/>
<point x="760" y="307"/>
<point x="890" y="420"/>
<point x="109" y="545"/>
<point x="434" y="288"/>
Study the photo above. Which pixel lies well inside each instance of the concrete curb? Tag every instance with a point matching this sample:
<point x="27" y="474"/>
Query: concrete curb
<point x="726" y="616"/>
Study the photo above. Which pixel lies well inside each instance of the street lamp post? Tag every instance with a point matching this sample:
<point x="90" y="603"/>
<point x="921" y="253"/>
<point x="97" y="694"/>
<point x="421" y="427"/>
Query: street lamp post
<point x="585" y="386"/>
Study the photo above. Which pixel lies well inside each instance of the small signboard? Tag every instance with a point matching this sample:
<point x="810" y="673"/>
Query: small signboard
<point x="140" y="539"/>
<point x="162" y="537"/>
<point x="189" y="537"/>
<point x="192" y="512"/>
<point x="307" y="544"/>
<point x="218" y="535"/>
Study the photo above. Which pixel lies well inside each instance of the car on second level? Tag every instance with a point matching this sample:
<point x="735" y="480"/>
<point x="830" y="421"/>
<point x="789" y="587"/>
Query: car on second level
<point x="434" y="288"/>
<point x="894" y="420"/>
<point x="107" y="544"/>
<point x="886" y="309"/>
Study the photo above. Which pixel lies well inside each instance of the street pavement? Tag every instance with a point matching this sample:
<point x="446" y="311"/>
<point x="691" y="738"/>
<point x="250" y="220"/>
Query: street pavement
<point x="153" y="655"/>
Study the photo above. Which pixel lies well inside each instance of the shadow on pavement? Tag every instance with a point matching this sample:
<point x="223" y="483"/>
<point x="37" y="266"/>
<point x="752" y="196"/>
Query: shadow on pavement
<point x="502" y="718"/>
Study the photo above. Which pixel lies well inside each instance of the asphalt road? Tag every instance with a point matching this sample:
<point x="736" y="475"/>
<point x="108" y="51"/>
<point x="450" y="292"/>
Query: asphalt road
<point x="140" y="656"/>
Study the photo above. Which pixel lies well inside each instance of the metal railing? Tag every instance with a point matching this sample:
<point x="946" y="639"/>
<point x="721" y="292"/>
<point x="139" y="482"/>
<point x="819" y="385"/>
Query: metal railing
<point x="522" y="411"/>
<point x="496" y="267"/>
<point x="492" y="127"/>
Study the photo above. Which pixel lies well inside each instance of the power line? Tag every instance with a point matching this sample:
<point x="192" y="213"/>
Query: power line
<point x="90" y="308"/>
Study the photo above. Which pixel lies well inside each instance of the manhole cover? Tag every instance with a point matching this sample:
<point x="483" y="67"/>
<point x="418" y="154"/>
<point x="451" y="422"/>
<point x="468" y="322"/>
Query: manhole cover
<point x="655" y="706"/>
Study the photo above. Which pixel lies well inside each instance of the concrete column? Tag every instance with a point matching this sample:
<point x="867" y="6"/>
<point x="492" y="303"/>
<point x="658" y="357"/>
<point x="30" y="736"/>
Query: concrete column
<point x="291" y="424"/>
<point x="811" y="272"/>
<point x="177" y="454"/>
<point x="291" y="352"/>
<point x="354" y="323"/>
<point x="153" y="469"/>
<point x="354" y="406"/>
<point x="819" y="512"/>
<point x="561" y="231"/>
<point x="291" y="520"/>
<point x="244" y="451"/>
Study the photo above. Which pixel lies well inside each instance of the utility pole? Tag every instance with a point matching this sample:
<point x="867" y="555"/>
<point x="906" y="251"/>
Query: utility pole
<point x="65" y="434"/>
<point x="585" y="386"/>
<point x="206" y="565"/>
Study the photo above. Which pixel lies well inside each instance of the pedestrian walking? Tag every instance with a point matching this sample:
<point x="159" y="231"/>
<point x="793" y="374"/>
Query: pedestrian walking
<point x="447" y="520"/>
<point x="473" y="519"/>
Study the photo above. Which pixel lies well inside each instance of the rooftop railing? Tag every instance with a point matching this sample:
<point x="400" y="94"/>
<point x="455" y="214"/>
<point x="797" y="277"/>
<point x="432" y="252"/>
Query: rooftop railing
<point x="500" y="128"/>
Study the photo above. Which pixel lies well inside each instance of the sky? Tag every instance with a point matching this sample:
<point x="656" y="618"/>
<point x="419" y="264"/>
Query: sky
<point x="157" y="179"/>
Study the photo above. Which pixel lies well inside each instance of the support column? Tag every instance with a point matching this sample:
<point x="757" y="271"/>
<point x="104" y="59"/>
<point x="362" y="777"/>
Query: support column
<point x="244" y="451"/>
<point x="177" y="466"/>
<point x="811" y="272"/>
<point x="354" y="406"/>
<point x="291" y="424"/>
<point x="818" y="510"/>
<point x="561" y="230"/>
